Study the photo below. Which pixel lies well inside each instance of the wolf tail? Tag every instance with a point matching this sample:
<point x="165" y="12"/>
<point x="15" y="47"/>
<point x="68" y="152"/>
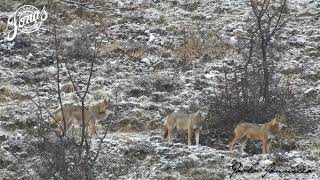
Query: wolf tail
<point x="165" y="128"/>
<point x="165" y="131"/>
<point x="53" y="123"/>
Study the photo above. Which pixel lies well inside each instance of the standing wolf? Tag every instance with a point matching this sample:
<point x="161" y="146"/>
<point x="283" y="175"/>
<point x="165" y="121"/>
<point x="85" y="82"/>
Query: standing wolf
<point x="263" y="132"/>
<point x="191" y="122"/>
<point x="73" y="115"/>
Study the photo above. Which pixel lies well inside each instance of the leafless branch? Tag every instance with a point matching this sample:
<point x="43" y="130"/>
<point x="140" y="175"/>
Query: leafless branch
<point x="58" y="79"/>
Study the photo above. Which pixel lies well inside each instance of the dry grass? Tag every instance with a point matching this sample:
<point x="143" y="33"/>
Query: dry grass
<point x="69" y="88"/>
<point x="190" y="50"/>
<point x="4" y="99"/>
<point x="162" y="20"/>
<point x="315" y="143"/>
<point x="215" y="47"/>
<point x="109" y="48"/>
<point x="131" y="125"/>
<point x="136" y="54"/>
<point x="195" y="47"/>
<point x="6" y="91"/>
<point x="7" y="94"/>
<point x="2" y="26"/>
<point x="288" y="139"/>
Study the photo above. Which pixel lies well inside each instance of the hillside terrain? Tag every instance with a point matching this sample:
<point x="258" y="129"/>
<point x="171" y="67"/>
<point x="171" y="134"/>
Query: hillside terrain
<point x="137" y="67"/>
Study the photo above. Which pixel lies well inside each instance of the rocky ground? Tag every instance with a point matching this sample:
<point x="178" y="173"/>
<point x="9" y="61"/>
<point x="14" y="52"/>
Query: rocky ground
<point x="137" y="70"/>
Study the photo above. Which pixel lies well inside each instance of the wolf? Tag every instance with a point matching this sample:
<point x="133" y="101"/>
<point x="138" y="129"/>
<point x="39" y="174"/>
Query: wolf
<point x="73" y="116"/>
<point x="190" y="122"/>
<point x="262" y="132"/>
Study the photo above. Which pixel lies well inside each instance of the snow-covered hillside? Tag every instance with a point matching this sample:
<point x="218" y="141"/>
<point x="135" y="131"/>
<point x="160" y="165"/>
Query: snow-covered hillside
<point x="137" y="70"/>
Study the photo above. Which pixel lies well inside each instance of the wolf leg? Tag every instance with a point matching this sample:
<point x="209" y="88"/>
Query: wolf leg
<point x="189" y="135"/>
<point x="243" y="144"/>
<point x="264" y="146"/>
<point x="93" y="130"/>
<point x="69" y="124"/>
<point x="165" y="132"/>
<point x="170" y="135"/>
<point x="235" y="140"/>
<point x="268" y="146"/>
<point x="197" y="132"/>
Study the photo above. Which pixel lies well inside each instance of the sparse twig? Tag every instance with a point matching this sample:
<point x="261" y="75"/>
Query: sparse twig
<point x="58" y="79"/>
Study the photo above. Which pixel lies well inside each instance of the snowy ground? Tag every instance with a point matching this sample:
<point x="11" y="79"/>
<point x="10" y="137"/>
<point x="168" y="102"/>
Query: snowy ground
<point x="145" y="92"/>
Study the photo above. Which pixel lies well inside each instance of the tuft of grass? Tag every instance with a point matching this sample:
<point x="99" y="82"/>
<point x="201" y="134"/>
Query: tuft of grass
<point x="190" y="50"/>
<point x="162" y="20"/>
<point x="6" y="91"/>
<point x="197" y="46"/>
<point x="136" y="54"/>
<point x="315" y="144"/>
<point x="69" y="88"/>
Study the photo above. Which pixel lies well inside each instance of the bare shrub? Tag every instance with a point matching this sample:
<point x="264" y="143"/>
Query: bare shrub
<point x="111" y="49"/>
<point x="189" y="50"/>
<point x="237" y="100"/>
<point x="63" y="156"/>
<point x="265" y="24"/>
<point x="249" y="91"/>
<point x="288" y="139"/>
<point x="312" y="144"/>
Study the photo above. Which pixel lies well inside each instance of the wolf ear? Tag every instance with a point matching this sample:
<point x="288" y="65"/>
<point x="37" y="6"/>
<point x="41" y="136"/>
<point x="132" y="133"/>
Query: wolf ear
<point x="204" y="117"/>
<point x="105" y="101"/>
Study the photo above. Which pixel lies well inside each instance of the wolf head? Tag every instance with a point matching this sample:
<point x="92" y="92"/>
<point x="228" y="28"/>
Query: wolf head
<point x="198" y="120"/>
<point x="280" y="119"/>
<point x="103" y="105"/>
